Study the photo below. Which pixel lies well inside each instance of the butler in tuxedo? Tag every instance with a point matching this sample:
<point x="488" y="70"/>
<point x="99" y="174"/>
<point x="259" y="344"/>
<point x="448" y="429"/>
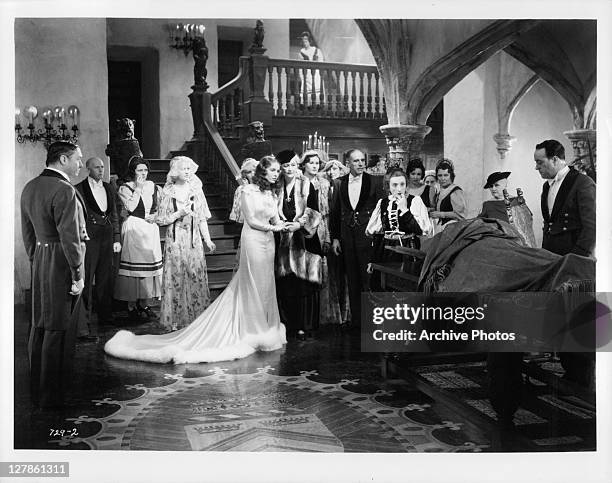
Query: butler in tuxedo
<point x="354" y="198"/>
<point x="103" y="229"/>
<point x="568" y="209"/>
<point x="568" y="203"/>
<point x="54" y="235"/>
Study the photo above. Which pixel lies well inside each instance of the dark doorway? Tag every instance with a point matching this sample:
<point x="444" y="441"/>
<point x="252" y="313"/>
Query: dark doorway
<point x="133" y="91"/>
<point x="124" y="94"/>
<point x="229" y="55"/>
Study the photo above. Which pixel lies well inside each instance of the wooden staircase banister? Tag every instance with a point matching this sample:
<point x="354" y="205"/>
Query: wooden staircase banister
<point x="241" y="80"/>
<point x="222" y="148"/>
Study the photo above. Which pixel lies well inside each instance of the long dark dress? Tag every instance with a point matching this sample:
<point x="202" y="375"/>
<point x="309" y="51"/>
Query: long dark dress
<point x="298" y="295"/>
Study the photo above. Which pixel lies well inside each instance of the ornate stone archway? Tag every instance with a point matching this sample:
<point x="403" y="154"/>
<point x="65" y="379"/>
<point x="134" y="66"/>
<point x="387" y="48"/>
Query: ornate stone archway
<point x="421" y="60"/>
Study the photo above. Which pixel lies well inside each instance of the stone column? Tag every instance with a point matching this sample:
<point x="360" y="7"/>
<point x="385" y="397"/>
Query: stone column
<point x="585" y="157"/>
<point x="405" y="142"/>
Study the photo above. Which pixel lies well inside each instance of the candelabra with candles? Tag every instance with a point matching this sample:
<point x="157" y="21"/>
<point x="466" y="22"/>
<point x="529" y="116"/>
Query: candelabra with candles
<point x="55" y="127"/>
<point x="182" y="37"/>
<point x="316" y="142"/>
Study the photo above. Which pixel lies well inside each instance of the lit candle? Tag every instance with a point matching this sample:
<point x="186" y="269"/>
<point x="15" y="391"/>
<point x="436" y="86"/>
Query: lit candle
<point x="31" y="112"/>
<point x="17" y="116"/>
<point x="309" y="141"/>
<point x="47" y="114"/>
<point x="201" y="29"/>
<point x="73" y="112"/>
<point x="59" y="114"/>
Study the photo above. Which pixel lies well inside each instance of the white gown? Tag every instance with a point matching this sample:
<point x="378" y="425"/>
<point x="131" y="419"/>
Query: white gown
<point x="243" y="319"/>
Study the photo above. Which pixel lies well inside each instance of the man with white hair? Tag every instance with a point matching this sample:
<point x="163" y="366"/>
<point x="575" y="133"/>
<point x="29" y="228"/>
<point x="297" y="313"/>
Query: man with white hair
<point x="103" y="229"/>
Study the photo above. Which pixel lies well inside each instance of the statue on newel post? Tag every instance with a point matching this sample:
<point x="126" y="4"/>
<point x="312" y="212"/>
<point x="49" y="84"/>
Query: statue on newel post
<point x="123" y="145"/>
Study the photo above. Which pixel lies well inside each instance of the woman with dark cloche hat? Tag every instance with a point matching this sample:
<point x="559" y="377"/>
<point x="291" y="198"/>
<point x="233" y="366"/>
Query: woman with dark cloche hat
<point x="496" y="208"/>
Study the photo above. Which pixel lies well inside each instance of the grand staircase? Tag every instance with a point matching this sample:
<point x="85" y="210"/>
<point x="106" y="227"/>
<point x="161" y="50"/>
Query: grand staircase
<point x="349" y="112"/>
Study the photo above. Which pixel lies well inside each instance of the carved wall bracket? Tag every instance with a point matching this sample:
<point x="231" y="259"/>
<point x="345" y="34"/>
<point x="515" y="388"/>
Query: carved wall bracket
<point x="504" y="143"/>
<point x="584" y="143"/>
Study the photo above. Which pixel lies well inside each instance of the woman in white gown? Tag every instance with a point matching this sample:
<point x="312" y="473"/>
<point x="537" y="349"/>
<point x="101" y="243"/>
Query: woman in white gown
<point x="244" y="318"/>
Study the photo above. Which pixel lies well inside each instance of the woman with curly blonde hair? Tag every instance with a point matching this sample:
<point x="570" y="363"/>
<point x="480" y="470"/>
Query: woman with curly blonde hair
<point x="184" y="210"/>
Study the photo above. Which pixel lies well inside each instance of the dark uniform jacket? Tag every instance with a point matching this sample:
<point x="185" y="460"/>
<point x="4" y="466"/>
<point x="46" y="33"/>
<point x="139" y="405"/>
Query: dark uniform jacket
<point x="570" y="227"/>
<point x="54" y="234"/>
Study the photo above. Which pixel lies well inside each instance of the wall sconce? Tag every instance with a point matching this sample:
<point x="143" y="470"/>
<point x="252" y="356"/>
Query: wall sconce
<point x="55" y="125"/>
<point x="183" y="36"/>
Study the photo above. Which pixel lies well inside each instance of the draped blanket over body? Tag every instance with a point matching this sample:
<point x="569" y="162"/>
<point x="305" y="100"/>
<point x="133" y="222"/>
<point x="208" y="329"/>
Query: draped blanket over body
<point x="490" y="255"/>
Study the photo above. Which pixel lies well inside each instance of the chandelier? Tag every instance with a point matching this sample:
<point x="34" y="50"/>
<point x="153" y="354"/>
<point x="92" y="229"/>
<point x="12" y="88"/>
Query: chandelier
<point x="55" y="125"/>
<point x="182" y="36"/>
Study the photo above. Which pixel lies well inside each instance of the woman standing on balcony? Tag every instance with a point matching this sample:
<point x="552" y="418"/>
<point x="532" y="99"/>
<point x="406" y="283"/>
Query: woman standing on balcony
<point x="183" y="208"/>
<point x="308" y="84"/>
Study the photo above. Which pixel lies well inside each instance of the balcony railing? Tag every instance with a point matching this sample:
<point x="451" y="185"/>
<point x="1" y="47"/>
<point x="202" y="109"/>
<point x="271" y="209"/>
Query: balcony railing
<point x="298" y="88"/>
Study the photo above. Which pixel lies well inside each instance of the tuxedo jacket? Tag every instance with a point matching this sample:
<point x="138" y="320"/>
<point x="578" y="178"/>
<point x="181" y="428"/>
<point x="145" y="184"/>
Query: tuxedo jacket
<point x="570" y="227"/>
<point x="342" y="214"/>
<point x="95" y="216"/>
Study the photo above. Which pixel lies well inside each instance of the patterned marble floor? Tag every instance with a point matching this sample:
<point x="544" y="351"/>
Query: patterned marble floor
<point x="321" y="395"/>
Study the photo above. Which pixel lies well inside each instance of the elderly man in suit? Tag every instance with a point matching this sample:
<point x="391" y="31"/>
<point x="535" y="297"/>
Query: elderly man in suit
<point x="103" y="230"/>
<point x="354" y="198"/>
<point x="568" y="209"/>
<point x="54" y="234"/>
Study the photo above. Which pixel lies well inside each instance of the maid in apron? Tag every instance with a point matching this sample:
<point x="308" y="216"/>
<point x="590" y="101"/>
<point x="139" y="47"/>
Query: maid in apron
<point x="140" y="270"/>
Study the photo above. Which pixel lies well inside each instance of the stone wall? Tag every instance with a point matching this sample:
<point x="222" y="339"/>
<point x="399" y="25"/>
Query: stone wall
<point x="470" y="121"/>
<point x="52" y="69"/>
